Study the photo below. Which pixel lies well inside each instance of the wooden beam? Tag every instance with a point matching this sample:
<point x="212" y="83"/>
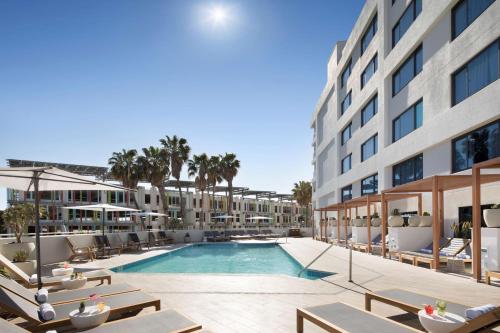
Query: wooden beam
<point x="338" y="227"/>
<point x="441" y="213"/>
<point x="435" y="222"/>
<point x="420" y="204"/>
<point x="368" y="225"/>
<point x="384" y="222"/>
<point x="476" y="223"/>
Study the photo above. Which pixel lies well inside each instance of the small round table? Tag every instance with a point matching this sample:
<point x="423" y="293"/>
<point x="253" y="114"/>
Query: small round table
<point x="440" y="324"/>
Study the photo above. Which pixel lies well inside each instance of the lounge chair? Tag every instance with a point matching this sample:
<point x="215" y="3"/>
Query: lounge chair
<point x="120" y="304"/>
<point x="83" y="252"/>
<point x="213" y="236"/>
<point x="363" y="247"/>
<point x="31" y="282"/>
<point x="135" y="241"/>
<point x="492" y="274"/>
<point x="456" y="247"/>
<point x="103" y="245"/>
<point x="343" y="318"/>
<point x="409" y="255"/>
<point x="161" y="321"/>
<point x="162" y="236"/>
<point x="66" y="296"/>
<point x="412" y="302"/>
<point x="268" y="233"/>
<point x="239" y="235"/>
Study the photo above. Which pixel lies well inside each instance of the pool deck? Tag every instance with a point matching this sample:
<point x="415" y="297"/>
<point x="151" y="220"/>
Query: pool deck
<point x="267" y="303"/>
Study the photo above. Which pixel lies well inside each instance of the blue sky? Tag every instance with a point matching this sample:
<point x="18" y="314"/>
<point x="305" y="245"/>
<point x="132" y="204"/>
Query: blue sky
<point x="81" y="79"/>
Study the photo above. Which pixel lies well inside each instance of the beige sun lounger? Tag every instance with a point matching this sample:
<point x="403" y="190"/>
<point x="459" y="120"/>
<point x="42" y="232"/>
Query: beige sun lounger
<point x="67" y="296"/>
<point x="492" y="274"/>
<point x="343" y="318"/>
<point x="85" y="252"/>
<point x="413" y="302"/>
<point x="455" y="247"/>
<point x="20" y="275"/>
<point x="168" y="321"/>
<point x="120" y="304"/>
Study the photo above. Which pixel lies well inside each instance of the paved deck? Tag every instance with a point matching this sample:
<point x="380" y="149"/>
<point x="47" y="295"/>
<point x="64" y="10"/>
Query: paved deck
<point x="262" y="303"/>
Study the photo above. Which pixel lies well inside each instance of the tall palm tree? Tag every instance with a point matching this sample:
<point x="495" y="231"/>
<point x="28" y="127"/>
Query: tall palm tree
<point x="156" y="169"/>
<point x="198" y="167"/>
<point x="229" y="169"/>
<point x="213" y="177"/>
<point x="178" y="151"/>
<point x="124" y="167"/>
<point x="302" y="193"/>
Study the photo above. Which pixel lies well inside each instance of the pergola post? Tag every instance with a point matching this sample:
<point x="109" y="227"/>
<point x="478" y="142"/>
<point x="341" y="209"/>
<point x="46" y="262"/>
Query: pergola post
<point x="435" y="221"/>
<point x="338" y="227"/>
<point x="368" y="224"/>
<point x="345" y="224"/>
<point x="384" y="222"/>
<point x="476" y="223"/>
<point x="321" y="225"/>
<point x="441" y="213"/>
<point x="420" y="204"/>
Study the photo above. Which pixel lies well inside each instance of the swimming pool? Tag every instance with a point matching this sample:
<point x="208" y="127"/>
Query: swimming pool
<point x="224" y="258"/>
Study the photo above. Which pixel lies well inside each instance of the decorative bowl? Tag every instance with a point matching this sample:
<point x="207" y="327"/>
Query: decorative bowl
<point x="91" y="317"/>
<point x="62" y="271"/>
<point x="440" y="324"/>
<point x="67" y="283"/>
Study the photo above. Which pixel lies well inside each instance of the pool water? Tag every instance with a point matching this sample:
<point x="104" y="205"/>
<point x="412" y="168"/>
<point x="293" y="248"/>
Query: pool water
<point x="224" y="258"/>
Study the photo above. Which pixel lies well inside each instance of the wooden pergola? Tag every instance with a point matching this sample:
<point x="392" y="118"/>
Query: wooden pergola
<point x="437" y="185"/>
<point x="477" y="180"/>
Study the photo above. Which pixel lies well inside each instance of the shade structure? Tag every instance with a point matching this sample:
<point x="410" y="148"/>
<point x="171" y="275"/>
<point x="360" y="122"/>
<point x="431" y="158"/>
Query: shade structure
<point x="48" y="179"/>
<point x="259" y="218"/>
<point x="103" y="208"/>
<point x="144" y="214"/>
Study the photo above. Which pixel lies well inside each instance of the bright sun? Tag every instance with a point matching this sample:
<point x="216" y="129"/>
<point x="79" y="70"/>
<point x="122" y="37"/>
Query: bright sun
<point x="218" y="15"/>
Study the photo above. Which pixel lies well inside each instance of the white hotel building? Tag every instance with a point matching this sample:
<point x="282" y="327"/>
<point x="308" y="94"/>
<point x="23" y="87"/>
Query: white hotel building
<point x="413" y="92"/>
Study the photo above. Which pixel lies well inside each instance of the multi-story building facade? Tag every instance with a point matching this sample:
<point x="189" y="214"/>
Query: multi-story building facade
<point x="413" y="92"/>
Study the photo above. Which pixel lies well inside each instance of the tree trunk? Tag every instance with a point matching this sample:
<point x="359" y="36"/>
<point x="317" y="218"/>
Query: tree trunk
<point x="180" y="198"/>
<point x="164" y="202"/>
<point x="230" y="198"/>
<point x="202" y="214"/>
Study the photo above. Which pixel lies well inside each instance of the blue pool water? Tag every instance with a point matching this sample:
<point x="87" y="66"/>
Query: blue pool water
<point x="224" y="258"/>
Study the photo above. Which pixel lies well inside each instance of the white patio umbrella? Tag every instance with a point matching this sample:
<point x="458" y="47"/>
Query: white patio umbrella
<point x="48" y="179"/>
<point x="225" y="218"/>
<point x="260" y="218"/>
<point x="150" y="214"/>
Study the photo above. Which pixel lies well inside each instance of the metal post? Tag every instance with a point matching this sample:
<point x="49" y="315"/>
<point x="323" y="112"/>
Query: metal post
<point x="37" y="231"/>
<point x="102" y="219"/>
<point x="350" y="263"/>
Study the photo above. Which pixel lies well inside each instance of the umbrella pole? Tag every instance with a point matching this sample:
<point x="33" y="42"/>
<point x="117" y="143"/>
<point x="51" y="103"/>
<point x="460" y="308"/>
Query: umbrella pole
<point x="37" y="231"/>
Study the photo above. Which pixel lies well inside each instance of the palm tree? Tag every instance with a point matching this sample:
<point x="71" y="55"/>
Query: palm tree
<point x="302" y="193"/>
<point x="178" y="151"/>
<point x="124" y="167"/>
<point x="155" y="166"/>
<point x="213" y="177"/>
<point x="198" y="167"/>
<point x="229" y="170"/>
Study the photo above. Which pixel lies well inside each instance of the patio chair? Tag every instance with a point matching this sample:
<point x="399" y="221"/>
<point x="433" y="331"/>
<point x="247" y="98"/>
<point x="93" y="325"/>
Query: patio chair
<point x="121" y="304"/>
<point x="456" y="248"/>
<point x="66" y="296"/>
<point x="412" y="302"/>
<point x="160" y="321"/>
<point x="342" y="318"/>
<point x="162" y="236"/>
<point x="426" y="251"/>
<point x="83" y="252"/>
<point x="363" y="247"/>
<point x="135" y="241"/>
<point x="103" y="245"/>
<point x="31" y="282"/>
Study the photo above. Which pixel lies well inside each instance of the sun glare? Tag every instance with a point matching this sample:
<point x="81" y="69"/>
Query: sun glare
<point x="218" y="15"/>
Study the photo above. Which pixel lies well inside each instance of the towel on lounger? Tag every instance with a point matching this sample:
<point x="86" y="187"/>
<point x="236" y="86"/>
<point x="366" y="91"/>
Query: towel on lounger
<point x="472" y="313"/>
<point x="426" y="251"/>
<point x="42" y="296"/>
<point x="33" y="278"/>
<point x="47" y="312"/>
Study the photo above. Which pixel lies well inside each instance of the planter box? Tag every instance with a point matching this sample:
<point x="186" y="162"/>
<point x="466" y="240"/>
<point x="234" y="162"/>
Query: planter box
<point x="28" y="267"/>
<point x="360" y="234"/>
<point x="409" y="238"/>
<point x="490" y="240"/>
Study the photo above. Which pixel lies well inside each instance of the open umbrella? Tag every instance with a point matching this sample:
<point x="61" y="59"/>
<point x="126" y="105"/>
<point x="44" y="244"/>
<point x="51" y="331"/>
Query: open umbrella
<point x="103" y="208"/>
<point x="48" y="179"/>
<point x="260" y="218"/>
<point x="144" y="214"/>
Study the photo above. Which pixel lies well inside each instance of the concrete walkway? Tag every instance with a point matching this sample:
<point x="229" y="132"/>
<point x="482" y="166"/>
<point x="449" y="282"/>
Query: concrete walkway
<point x="267" y="303"/>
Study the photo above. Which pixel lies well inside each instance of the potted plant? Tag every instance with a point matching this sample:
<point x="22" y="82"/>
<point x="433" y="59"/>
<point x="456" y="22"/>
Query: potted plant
<point x="425" y="220"/>
<point x="17" y="218"/>
<point x="414" y="221"/>
<point x="333" y="221"/>
<point x="492" y="216"/>
<point x="20" y="259"/>
<point x="358" y="222"/>
<point x="395" y="220"/>
<point x="375" y="220"/>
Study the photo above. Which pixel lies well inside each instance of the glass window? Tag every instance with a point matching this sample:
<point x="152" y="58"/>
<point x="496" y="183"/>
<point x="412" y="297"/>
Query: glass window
<point x="408" y="171"/>
<point x="345" y="74"/>
<point x="465" y="12"/>
<point x="405" y="21"/>
<point x="346" y="163"/>
<point x="347" y="193"/>
<point x="369" y="148"/>
<point x="346" y="103"/>
<point x="346" y="134"/>
<point x="370" y="69"/>
<point x="407" y="71"/>
<point x="479" y="72"/>
<point x="477" y="146"/>
<point x="369" y="185"/>
<point x="369" y="110"/>
<point x="368" y="35"/>
<point x="408" y="121"/>
<point x="147" y="199"/>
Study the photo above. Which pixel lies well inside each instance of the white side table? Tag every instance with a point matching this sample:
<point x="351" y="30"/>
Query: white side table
<point x="440" y="324"/>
